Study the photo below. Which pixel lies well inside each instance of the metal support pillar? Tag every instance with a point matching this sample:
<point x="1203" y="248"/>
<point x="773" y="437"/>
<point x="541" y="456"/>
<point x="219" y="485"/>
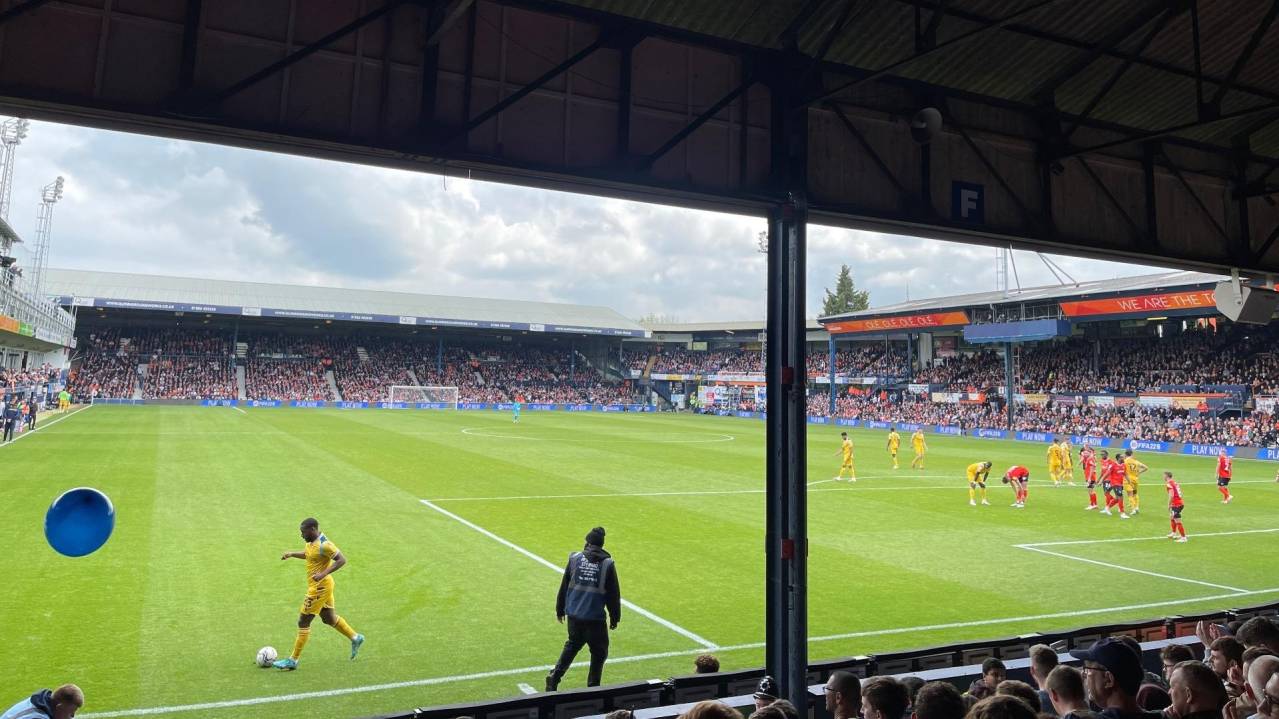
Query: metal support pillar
<point x="910" y="357"/>
<point x="1008" y="382"/>
<point x="572" y="362"/>
<point x="786" y="530"/>
<point x="831" y="340"/>
<point x="439" y="357"/>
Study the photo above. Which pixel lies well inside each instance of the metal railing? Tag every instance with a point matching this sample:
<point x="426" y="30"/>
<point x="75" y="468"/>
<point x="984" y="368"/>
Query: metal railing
<point x="51" y="322"/>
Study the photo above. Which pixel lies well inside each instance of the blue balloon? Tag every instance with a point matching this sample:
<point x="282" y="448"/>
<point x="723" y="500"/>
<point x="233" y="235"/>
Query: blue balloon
<point x="79" y="521"/>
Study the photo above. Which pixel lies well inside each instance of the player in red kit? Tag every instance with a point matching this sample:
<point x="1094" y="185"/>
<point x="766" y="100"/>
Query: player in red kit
<point x="1088" y="458"/>
<point x="1223" y="476"/>
<point x="1112" y="473"/>
<point x="1175" y="505"/>
<point x="1018" y="477"/>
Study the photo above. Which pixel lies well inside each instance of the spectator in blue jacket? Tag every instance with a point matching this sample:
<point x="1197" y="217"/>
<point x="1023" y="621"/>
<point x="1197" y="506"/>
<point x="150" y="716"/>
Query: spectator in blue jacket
<point x="60" y="703"/>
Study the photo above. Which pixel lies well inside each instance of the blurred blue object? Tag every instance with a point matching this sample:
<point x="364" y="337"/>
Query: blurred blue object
<point x="79" y="521"/>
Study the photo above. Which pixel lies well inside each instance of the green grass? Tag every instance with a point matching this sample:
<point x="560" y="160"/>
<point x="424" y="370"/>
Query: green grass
<point x="171" y="611"/>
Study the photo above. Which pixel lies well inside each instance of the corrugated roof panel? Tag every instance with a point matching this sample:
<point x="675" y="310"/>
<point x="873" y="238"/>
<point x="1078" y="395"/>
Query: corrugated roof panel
<point x="151" y="288"/>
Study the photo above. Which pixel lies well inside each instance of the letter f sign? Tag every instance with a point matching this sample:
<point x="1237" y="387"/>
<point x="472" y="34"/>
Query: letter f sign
<point x="968" y="202"/>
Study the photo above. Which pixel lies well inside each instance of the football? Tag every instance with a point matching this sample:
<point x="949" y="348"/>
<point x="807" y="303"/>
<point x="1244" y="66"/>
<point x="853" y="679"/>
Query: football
<point x="266" y="655"/>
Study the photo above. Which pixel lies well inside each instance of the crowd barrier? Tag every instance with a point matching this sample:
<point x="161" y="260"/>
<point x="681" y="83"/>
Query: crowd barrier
<point x="958" y="663"/>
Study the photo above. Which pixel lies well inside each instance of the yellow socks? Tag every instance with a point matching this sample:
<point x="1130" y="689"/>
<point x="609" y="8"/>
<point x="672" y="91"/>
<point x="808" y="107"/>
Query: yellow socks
<point x="972" y="494"/>
<point x="303" y="635"/>
<point x="345" y="628"/>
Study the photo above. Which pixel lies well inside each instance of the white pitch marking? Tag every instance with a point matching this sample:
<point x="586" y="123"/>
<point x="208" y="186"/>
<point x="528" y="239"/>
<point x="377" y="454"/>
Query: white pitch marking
<point x="237" y="409"/>
<point x="1142" y="539"/>
<point x="525" y="688"/>
<point x="558" y="570"/>
<point x="1120" y="567"/>
<point x="433" y="681"/>
<point x="39" y="427"/>
<point x="717" y="437"/>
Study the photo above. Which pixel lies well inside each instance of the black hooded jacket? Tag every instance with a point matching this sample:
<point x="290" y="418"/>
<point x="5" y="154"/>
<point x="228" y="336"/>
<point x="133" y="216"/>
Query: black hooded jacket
<point x="612" y="591"/>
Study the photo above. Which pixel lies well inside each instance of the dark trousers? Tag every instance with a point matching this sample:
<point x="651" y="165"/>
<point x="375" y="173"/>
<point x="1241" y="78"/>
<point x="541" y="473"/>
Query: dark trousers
<point x="581" y="632"/>
<point x="9" y="425"/>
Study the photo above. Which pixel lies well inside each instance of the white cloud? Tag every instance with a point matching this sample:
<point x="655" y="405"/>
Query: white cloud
<point x="161" y="206"/>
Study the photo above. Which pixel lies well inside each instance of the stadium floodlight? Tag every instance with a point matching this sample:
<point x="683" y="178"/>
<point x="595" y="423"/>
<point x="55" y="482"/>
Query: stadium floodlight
<point x="12" y="132"/>
<point x="52" y="192"/>
<point x="49" y="196"/>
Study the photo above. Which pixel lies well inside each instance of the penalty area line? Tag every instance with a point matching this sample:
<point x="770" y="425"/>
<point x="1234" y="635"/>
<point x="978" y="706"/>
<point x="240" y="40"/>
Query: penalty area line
<point x="1122" y="568"/>
<point x="558" y="570"/>
<point x="433" y="681"/>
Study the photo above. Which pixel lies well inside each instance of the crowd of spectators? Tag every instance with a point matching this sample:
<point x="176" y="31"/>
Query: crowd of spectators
<point x="869" y="359"/>
<point x="181" y="377"/>
<point x="285" y="379"/>
<point x="1233" y="673"/>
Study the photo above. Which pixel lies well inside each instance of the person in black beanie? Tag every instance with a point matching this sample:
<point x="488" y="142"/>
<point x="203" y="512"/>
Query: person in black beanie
<point x="588" y="588"/>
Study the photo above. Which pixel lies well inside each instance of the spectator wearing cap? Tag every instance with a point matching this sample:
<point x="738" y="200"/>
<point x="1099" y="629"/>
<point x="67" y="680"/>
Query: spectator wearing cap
<point x="588" y="588"/>
<point x="765" y="692"/>
<point x="1112" y="676"/>
<point x="1196" y="691"/>
<point x="1043" y="659"/>
<point x="1065" y="685"/>
<point x="938" y="700"/>
<point x="992" y="673"/>
<point x="843" y="692"/>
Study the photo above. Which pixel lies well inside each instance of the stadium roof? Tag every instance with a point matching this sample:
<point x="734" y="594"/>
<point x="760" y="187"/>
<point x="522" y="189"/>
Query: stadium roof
<point x="257" y="299"/>
<point x="728" y="327"/>
<point x="7" y="233"/>
<point x="1120" y="285"/>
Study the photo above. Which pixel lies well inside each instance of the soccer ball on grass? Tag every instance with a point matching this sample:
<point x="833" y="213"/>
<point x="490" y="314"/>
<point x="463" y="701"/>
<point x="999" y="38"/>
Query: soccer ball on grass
<point x="266" y="655"/>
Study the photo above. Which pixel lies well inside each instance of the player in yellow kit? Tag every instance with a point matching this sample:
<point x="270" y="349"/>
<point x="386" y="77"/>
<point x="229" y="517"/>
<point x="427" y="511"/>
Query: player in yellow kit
<point x="918" y="444"/>
<point x="322" y="560"/>
<point x="977" y="472"/>
<point x="1067" y="461"/>
<point x="846" y="449"/>
<point x="894" y="443"/>
<point x="1132" y="480"/>
<point x="1054" y="462"/>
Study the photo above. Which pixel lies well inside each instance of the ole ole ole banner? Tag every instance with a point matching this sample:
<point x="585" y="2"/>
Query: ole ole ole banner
<point x="904" y="322"/>
<point x="1196" y="299"/>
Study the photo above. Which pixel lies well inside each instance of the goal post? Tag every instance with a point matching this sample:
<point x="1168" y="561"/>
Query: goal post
<point x="432" y="395"/>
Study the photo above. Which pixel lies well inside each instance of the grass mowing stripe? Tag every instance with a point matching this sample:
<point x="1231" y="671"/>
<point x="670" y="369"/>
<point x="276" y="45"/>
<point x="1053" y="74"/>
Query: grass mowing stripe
<point x="1134" y="570"/>
<point x="629" y="605"/>
<point x="430" y="681"/>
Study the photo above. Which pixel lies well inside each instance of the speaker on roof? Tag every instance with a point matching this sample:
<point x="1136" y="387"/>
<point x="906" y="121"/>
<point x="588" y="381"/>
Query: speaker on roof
<point x="1241" y="303"/>
<point x="925" y="125"/>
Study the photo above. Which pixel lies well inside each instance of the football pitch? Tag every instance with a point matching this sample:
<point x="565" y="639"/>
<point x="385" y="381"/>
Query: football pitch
<point x="456" y="526"/>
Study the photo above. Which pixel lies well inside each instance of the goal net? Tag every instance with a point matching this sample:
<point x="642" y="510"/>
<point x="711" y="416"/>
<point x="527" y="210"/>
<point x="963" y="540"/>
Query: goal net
<point x="433" y="395"/>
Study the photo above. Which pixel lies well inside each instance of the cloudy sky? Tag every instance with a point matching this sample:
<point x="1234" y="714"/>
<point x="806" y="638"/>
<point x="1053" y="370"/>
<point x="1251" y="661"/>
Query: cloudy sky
<point x="141" y="204"/>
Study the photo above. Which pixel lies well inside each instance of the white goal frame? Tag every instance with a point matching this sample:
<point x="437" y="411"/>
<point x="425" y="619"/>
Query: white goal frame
<point x="415" y="393"/>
